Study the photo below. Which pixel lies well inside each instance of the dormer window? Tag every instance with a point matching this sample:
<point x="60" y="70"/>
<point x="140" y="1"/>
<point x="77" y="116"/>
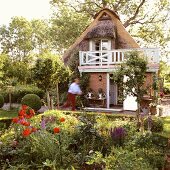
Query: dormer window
<point x="100" y="45"/>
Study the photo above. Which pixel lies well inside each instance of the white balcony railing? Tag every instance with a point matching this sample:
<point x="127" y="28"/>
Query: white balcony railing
<point x="115" y="56"/>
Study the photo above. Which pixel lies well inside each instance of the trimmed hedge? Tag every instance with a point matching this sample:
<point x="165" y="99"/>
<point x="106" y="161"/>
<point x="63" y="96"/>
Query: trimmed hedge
<point x="32" y="100"/>
<point x="1" y="101"/>
<point x="20" y="91"/>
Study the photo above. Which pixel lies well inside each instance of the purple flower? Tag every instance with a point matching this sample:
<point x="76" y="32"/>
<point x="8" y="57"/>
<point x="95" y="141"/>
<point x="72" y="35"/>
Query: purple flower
<point x="118" y="135"/>
<point x="43" y="123"/>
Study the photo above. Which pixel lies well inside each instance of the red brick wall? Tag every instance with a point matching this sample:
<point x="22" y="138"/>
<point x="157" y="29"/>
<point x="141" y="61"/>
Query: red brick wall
<point x="149" y="82"/>
<point x="94" y="82"/>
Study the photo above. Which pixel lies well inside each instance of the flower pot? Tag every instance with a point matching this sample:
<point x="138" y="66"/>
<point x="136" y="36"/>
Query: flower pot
<point x="153" y="110"/>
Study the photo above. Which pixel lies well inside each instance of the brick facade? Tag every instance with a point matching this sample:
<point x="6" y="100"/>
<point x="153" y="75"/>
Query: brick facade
<point x="148" y="83"/>
<point x="95" y="84"/>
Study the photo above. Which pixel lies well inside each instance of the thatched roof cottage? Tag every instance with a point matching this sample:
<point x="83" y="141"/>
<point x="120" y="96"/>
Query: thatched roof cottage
<point x="101" y="49"/>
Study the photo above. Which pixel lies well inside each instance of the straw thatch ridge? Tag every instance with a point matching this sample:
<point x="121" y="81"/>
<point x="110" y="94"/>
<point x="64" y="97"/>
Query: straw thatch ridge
<point x="103" y="29"/>
<point x="111" y="11"/>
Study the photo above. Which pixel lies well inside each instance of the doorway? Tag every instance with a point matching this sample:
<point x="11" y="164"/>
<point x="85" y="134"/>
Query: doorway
<point x="115" y="92"/>
<point x="112" y="91"/>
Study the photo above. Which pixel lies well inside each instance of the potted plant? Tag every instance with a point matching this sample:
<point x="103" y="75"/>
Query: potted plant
<point x="101" y="94"/>
<point x="152" y="108"/>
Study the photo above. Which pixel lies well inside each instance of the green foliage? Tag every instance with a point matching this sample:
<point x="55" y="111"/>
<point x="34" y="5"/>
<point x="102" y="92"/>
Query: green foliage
<point x="156" y="124"/>
<point x="48" y="70"/>
<point x="20" y="91"/>
<point x="124" y="159"/>
<point x="61" y="72"/>
<point x="1" y="101"/>
<point x="67" y="25"/>
<point x="41" y="35"/>
<point x="16" y="39"/>
<point x="81" y="143"/>
<point x="152" y="148"/>
<point x="134" y="69"/>
<point x="22" y="37"/>
<point x="17" y="72"/>
<point x="3" y="60"/>
<point x="42" y="73"/>
<point x="166" y="89"/>
<point x="32" y="100"/>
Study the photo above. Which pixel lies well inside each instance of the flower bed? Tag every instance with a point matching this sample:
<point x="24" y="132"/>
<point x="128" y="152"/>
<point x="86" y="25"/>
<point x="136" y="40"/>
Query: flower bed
<point x="58" y="140"/>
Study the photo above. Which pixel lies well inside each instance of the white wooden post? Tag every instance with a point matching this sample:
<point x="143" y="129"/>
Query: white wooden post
<point x="108" y="91"/>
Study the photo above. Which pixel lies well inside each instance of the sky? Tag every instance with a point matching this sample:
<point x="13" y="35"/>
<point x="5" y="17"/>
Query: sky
<point x="30" y="9"/>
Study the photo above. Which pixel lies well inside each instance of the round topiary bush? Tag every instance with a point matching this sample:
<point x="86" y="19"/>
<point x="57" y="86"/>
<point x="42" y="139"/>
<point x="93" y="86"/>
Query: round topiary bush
<point x="32" y="100"/>
<point x="1" y="100"/>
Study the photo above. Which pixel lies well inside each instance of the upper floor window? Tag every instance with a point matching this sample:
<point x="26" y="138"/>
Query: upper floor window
<point x="100" y="45"/>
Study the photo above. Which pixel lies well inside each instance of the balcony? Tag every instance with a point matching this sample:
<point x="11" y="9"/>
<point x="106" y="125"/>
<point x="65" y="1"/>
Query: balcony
<point x="109" y="60"/>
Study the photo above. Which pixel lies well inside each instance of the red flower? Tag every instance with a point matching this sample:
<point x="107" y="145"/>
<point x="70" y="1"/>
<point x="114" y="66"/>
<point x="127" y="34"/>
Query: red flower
<point x="56" y="130"/>
<point x="22" y="113"/>
<point x="28" y="116"/>
<point x="26" y="123"/>
<point x="62" y="119"/>
<point x="26" y="132"/>
<point x="32" y="112"/>
<point x="21" y="117"/>
<point x="22" y="122"/>
<point x="24" y="107"/>
<point x="15" y="120"/>
<point x="33" y="129"/>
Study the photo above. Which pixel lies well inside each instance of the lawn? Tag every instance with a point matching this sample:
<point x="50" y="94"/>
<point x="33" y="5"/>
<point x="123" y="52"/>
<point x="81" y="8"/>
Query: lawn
<point x="166" y="121"/>
<point x="7" y="114"/>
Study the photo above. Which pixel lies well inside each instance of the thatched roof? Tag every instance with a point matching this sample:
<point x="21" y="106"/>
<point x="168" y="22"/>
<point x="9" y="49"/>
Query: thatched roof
<point x="103" y="29"/>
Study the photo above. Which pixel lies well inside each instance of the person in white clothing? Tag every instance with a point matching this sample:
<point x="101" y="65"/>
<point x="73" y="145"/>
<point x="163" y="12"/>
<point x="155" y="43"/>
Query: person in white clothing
<point x="73" y="90"/>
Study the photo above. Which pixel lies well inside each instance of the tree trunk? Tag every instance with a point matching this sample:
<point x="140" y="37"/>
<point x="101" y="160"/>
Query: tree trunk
<point x="52" y="104"/>
<point x="48" y="99"/>
<point x="10" y="101"/>
<point x="57" y="96"/>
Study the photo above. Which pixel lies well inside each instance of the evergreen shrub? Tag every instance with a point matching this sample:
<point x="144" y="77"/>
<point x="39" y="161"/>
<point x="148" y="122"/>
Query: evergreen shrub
<point x="32" y="100"/>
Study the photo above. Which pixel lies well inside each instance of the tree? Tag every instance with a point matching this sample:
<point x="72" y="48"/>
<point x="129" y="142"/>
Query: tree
<point x="42" y="73"/>
<point x="22" y="38"/>
<point x="3" y="60"/>
<point x="16" y="40"/>
<point x="41" y="36"/>
<point x="48" y="72"/>
<point x="60" y="74"/>
<point x="66" y="26"/>
<point x="134" y="71"/>
<point x="165" y="71"/>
